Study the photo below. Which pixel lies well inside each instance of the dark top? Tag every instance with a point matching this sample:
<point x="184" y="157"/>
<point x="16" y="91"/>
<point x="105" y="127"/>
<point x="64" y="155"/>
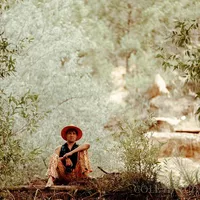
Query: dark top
<point x="65" y="149"/>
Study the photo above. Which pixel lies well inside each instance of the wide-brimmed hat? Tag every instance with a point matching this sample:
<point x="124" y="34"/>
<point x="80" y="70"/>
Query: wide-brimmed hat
<point x="71" y="126"/>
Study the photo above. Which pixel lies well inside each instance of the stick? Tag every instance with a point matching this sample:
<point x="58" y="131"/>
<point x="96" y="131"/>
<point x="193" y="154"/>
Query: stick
<point x="188" y="131"/>
<point x="103" y="170"/>
<point x="42" y="187"/>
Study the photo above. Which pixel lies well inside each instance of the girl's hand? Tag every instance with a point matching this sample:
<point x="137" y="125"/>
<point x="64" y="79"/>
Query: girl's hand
<point x="67" y="155"/>
<point x="68" y="162"/>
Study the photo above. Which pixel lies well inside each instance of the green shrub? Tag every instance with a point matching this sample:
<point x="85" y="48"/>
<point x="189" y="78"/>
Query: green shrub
<point x="19" y="115"/>
<point x="139" y="154"/>
<point x="138" y="180"/>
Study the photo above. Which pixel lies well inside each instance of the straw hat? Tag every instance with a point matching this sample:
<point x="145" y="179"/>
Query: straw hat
<point x="71" y="127"/>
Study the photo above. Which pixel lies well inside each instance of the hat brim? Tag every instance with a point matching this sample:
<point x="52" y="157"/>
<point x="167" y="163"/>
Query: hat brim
<point x="65" y="129"/>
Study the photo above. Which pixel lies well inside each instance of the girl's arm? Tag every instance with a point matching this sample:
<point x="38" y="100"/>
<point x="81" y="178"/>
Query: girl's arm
<point x="79" y="148"/>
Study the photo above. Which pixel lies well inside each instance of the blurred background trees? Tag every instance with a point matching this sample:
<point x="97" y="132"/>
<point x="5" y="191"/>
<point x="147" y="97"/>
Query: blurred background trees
<point x="67" y="52"/>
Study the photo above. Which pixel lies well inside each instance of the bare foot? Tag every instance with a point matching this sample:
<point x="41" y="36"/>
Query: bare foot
<point x="50" y="182"/>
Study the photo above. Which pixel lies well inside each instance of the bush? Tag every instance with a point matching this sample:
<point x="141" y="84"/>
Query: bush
<point x="18" y="115"/>
<point x="139" y="154"/>
<point x="140" y="161"/>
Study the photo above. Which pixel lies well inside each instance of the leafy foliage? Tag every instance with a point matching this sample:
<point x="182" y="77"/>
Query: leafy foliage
<point x="13" y="157"/>
<point x="182" y="52"/>
<point x="7" y="62"/>
<point x="19" y="115"/>
<point x="185" y="53"/>
<point x="174" y="180"/>
<point x="139" y="154"/>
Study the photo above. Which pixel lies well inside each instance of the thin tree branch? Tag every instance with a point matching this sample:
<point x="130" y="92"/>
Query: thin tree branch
<point x="103" y="170"/>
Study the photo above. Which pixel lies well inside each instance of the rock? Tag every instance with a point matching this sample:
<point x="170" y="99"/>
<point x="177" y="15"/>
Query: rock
<point x="158" y="88"/>
<point x="177" y="144"/>
<point x="120" y="92"/>
<point x="132" y="68"/>
<point x="183" y="106"/>
<point x="117" y="76"/>
<point x="119" y="95"/>
<point x="164" y="124"/>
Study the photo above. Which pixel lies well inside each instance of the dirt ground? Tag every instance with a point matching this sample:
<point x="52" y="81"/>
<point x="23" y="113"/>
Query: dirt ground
<point x="100" y="188"/>
<point x="107" y="187"/>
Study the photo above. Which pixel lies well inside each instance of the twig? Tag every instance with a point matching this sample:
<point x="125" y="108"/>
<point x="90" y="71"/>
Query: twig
<point x="43" y="159"/>
<point x="62" y="193"/>
<point x="36" y="194"/>
<point x="71" y="98"/>
<point x="11" y="194"/>
<point x="91" y="195"/>
<point x="197" y="131"/>
<point x="103" y="170"/>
